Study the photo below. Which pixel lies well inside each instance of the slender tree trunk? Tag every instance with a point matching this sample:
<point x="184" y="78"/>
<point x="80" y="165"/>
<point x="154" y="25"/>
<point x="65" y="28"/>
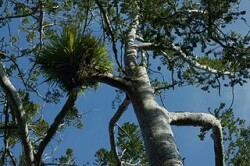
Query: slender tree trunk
<point x="154" y="123"/>
<point x="153" y="119"/>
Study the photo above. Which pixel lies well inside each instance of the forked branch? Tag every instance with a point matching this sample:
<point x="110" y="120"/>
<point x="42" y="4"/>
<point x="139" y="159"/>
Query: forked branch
<point x="203" y="120"/>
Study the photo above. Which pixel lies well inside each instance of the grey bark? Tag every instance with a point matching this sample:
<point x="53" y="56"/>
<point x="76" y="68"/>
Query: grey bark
<point x="154" y="123"/>
<point x="204" y="120"/>
<point x="19" y="113"/>
<point x="122" y="108"/>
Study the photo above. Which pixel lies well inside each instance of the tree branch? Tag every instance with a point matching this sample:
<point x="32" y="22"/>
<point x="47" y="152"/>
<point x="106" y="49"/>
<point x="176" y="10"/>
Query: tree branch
<point x="54" y="126"/>
<point x="204" y="120"/>
<point x="17" y="107"/>
<point x="166" y="87"/>
<point x="190" y="60"/>
<point x="195" y="64"/>
<point x="112" y="80"/>
<point x="122" y="108"/>
<point x="109" y="32"/>
<point x="130" y="57"/>
<point x="21" y="15"/>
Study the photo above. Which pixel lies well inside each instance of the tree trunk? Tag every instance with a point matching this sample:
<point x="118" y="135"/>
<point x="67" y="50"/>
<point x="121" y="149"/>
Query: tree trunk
<point x="154" y="123"/>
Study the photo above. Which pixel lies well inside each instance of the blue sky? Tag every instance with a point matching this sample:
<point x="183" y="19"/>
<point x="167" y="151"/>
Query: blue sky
<point x="97" y="104"/>
<point x="94" y="134"/>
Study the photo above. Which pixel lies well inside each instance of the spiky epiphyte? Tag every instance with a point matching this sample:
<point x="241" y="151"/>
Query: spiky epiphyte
<point x="71" y="58"/>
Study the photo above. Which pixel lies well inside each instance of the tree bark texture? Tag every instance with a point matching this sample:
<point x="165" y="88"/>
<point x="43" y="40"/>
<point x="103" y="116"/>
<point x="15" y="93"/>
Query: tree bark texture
<point x="153" y="120"/>
<point x="154" y="123"/>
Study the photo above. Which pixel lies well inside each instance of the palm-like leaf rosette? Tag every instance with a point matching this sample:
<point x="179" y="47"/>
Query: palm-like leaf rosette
<point x="72" y="58"/>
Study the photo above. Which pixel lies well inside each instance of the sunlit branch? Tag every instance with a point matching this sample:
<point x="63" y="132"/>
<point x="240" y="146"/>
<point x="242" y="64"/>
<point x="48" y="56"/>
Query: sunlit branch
<point x="139" y="38"/>
<point x="144" y="61"/>
<point x="203" y="120"/>
<point x="111" y="80"/>
<point x="16" y="105"/>
<point x="41" y="26"/>
<point x="194" y="63"/>
<point x="109" y="32"/>
<point x="122" y="108"/>
<point x="130" y="57"/>
<point x="55" y="125"/>
<point x="190" y="60"/>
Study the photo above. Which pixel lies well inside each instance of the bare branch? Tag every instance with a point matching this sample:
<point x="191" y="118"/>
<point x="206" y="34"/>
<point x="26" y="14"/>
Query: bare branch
<point x="54" y="126"/>
<point x="17" y="107"/>
<point x="204" y="120"/>
<point x="112" y="123"/>
<point x="144" y="61"/>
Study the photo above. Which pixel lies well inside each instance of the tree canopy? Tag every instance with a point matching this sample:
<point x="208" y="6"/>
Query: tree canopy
<point x="56" y="50"/>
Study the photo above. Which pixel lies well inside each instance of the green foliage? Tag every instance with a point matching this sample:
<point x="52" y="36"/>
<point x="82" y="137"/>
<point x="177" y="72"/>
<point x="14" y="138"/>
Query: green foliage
<point x="40" y="128"/>
<point x="236" y="135"/>
<point x="72" y="58"/>
<point x="30" y="107"/>
<point x="67" y="159"/>
<point x="104" y="158"/>
<point x="213" y="63"/>
<point x="129" y="144"/>
<point x="74" y="118"/>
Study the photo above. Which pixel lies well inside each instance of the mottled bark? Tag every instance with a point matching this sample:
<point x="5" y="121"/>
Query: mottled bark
<point x="154" y="122"/>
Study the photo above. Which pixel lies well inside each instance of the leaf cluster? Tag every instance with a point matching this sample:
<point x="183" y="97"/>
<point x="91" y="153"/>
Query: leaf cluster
<point x="236" y="135"/>
<point x="71" y="58"/>
<point x="129" y="144"/>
